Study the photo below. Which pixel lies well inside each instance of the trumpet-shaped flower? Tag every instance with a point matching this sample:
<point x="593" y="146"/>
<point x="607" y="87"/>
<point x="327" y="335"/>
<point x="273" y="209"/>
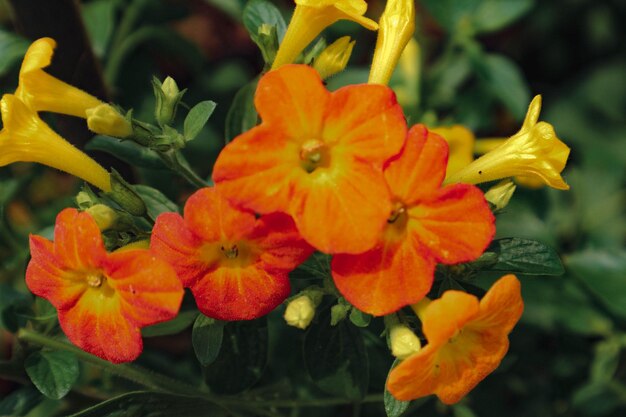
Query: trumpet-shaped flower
<point x="317" y="156"/>
<point x="237" y="266"/>
<point x="334" y="58"/>
<point x="103" y="299"/>
<point x="27" y="138"/>
<point x="467" y="339"/>
<point x="534" y="151"/>
<point x="42" y="92"/>
<point x="427" y="225"/>
<point x="395" y="30"/>
<point x="310" y="18"/>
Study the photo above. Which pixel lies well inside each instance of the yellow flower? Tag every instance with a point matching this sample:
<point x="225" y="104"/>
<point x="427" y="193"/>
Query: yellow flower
<point x="461" y="144"/>
<point x="482" y="146"/>
<point x="535" y="151"/>
<point x="26" y="138"/>
<point x="42" y="92"/>
<point x="334" y="58"/>
<point x="500" y="194"/>
<point x="404" y="342"/>
<point x="104" y="119"/>
<point x="300" y="311"/>
<point x="311" y="17"/>
<point x="396" y="27"/>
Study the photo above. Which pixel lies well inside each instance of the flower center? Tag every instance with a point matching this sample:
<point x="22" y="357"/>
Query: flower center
<point x="95" y="280"/>
<point x="314" y="154"/>
<point x="398" y="213"/>
<point x="230" y="251"/>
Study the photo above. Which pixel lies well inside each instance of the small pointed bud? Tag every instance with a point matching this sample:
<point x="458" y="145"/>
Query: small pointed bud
<point x="404" y="342"/>
<point x="104" y="216"/>
<point x="334" y="58"/>
<point x="300" y="311"/>
<point x="500" y="194"/>
<point x="267" y="40"/>
<point x="105" y="120"/>
<point x="124" y="195"/>
<point x="168" y="97"/>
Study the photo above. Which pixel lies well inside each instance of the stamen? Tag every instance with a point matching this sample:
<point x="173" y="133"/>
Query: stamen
<point x="95" y="280"/>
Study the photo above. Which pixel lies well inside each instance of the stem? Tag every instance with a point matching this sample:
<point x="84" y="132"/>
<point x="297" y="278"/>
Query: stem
<point x="322" y="402"/>
<point x="173" y="161"/>
<point x="148" y="379"/>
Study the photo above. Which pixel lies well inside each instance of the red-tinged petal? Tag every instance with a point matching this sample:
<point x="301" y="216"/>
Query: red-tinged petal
<point x="256" y="169"/>
<point x="414" y="377"/>
<point x="501" y="308"/>
<point x="77" y="240"/>
<point x="96" y="325"/>
<point x="240" y="293"/>
<point x="446" y="315"/>
<point x="387" y="278"/>
<point x="282" y="248"/>
<point x="179" y="247"/>
<point x="368" y="120"/>
<point x="46" y="277"/>
<point x="342" y="209"/>
<point x="148" y="287"/>
<point x="210" y="216"/>
<point x="456" y="224"/>
<point x="417" y="173"/>
<point x="292" y="99"/>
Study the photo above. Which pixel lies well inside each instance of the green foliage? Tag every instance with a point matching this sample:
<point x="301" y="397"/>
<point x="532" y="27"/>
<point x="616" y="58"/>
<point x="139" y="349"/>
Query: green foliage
<point x="20" y="402"/>
<point x="52" y="372"/>
<point x="156" y="202"/>
<point x="197" y="118"/>
<point x="182" y="321"/>
<point x="525" y="256"/>
<point x="242" y="115"/>
<point x="12" y="49"/>
<point x="394" y="407"/>
<point x="207" y="339"/>
<point x="127" y="151"/>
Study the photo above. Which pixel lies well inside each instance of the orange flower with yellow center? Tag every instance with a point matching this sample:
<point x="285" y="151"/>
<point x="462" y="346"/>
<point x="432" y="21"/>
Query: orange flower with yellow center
<point x="467" y="339"/>
<point x="236" y="265"/>
<point x="317" y="156"/>
<point x="103" y="299"/>
<point x="427" y="225"/>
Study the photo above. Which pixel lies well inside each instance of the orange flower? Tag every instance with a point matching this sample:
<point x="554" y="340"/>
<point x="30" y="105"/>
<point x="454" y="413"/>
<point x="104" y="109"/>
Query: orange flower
<point x="318" y="157"/>
<point x="237" y="266"/>
<point x="427" y="225"/>
<point x="102" y="298"/>
<point x="467" y="339"/>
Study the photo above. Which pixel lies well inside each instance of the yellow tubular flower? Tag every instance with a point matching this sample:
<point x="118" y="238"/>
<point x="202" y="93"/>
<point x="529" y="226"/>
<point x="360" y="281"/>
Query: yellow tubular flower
<point x="311" y="17"/>
<point x="334" y="58"/>
<point x="27" y="138"/>
<point x="461" y="144"/>
<point x="42" y="92"/>
<point x="535" y="151"/>
<point x="396" y="28"/>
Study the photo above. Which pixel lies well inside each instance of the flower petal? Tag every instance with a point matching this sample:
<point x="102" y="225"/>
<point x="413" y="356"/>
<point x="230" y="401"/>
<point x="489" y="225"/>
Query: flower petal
<point x="77" y="241"/>
<point x="502" y="306"/>
<point x="446" y="315"/>
<point x="415" y="376"/>
<point x="38" y="55"/>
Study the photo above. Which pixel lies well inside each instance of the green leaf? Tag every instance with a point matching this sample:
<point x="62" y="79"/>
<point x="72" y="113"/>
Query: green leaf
<point x="258" y="12"/>
<point x="359" y="318"/>
<point x="242" y="358"/>
<point x="394" y="407"/>
<point x="207" y="339"/>
<point x="177" y="325"/>
<point x="335" y="357"/>
<point x="197" y="118"/>
<point x="156" y="201"/>
<point x="459" y="410"/>
<point x="595" y="399"/>
<point x="53" y="373"/>
<point x="492" y="15"/>
<point x="603" y="273"/>
<point x="605" y="360"/>
<point x="242" y="115"/>
<point x="127" y="151"/>
<point x="12" y="49"/>
<point x="525" y="256"/>
<point x="20" y="402"/>
<point x="99" y="19"/>
<point x="152" y="404"/>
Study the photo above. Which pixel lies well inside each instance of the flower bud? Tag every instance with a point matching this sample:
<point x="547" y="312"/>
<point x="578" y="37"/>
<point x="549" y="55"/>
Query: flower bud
<point x="104" y="216"/>
<point x="124" y="195"/>
<point x="105" y="120"/>
<point x="334" y="58"/>
<point x="168" y="97"/>
<point x="404" y="342"/>
<point x="300" y="311"/>
<point x="500" y="194"/>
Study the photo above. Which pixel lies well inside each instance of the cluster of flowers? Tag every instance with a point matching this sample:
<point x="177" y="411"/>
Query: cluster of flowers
<point x="339" y="172"/>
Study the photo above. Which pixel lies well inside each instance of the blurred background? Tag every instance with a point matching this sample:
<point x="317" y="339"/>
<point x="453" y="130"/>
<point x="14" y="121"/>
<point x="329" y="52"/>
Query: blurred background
<point x="479" y="63"/>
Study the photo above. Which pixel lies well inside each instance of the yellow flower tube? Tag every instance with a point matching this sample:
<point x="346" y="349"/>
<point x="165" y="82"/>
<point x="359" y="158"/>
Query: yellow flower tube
<point x="310" y="18"/>
<point x="461" y="145"/>
<point x="27" y="138"/>
<point x="42" y="92"/>
<point x="535" y="151"/>
<point x="396" y="28"/>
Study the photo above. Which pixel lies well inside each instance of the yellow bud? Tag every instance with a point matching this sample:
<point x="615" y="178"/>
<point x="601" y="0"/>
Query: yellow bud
<point x="500" y="194"/>
<point x="404" y="342"/>
<point x="170" y="88"/>
<point x="105" y="120"/>
<point x="104" y="216"/>
<point x="300" y="311"/>
<point x="334" y="58"/>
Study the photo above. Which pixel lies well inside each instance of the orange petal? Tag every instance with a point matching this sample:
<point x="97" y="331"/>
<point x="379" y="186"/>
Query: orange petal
<point x="96" y="325"/>
<point x="456" y="224"/>
<point x="292" y="99"/>
<point x="502" y="306"/>
<point x="255" y="170"/>
<point x="178" y="246"/>
<point x="418" y="171"/>
<point x="415" y="376"/>
<point x="77" y="240"/>
<point x="342" y="209"/>
<point x="368" y="120"/>
<point x="387" y="278"/>
<point x="148" y="287"/>
<point x="446" y="315"/>
<point x="209" y="216"/>
<point x="47" y="278"/>
<point x="240" y="293"/>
